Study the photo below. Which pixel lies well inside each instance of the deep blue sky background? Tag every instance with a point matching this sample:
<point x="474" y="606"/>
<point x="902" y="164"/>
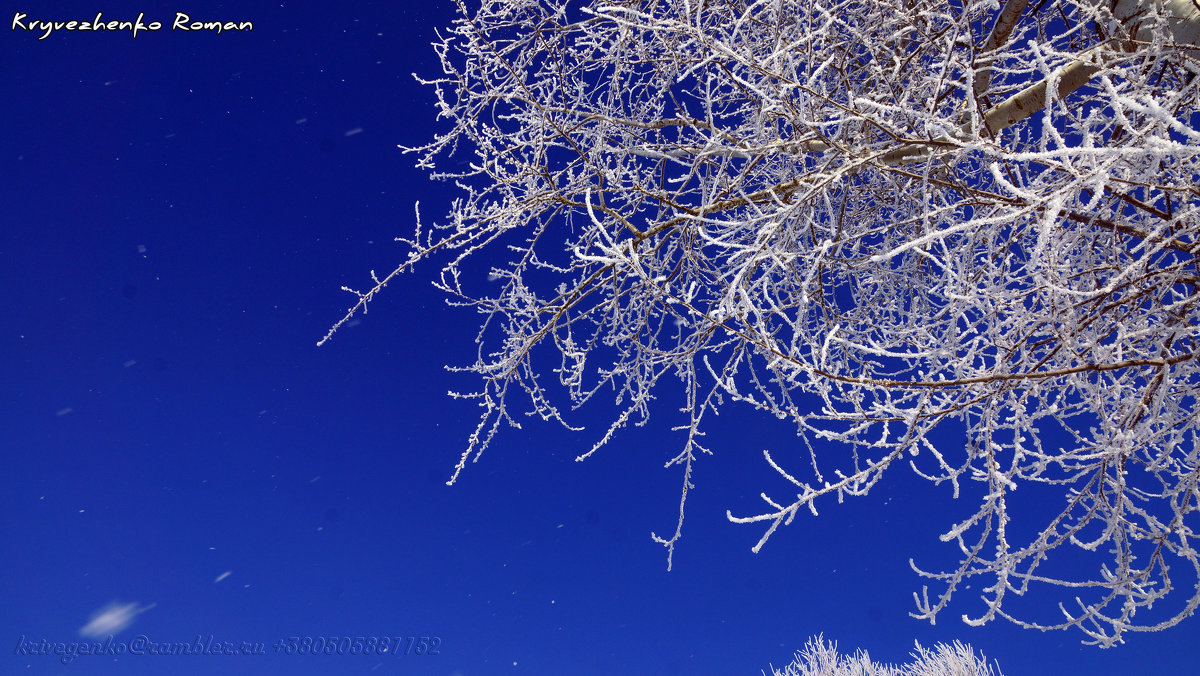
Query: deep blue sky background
<point x="180" y="211"/>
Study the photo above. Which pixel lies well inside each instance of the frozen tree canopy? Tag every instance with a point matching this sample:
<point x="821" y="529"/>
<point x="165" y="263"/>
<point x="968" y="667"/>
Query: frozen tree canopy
<point x="869" y="219"/>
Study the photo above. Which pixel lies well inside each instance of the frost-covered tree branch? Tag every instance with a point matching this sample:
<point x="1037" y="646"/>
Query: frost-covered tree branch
<point x="873" y="220"/>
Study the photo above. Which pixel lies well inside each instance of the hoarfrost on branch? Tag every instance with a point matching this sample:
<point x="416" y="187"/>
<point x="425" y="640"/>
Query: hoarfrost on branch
<point x="870" y="219"/>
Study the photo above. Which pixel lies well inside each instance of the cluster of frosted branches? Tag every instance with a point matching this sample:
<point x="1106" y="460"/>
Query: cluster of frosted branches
<point x="822" y="659"/>
<point x="870" y="219"/>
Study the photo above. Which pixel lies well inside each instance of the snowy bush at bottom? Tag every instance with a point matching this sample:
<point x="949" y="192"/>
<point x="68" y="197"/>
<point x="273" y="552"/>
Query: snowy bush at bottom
<point x="822" y="659"/>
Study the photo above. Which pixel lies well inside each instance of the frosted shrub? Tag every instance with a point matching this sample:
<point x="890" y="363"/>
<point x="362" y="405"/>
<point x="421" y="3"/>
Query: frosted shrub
<point x="821" y="659"/>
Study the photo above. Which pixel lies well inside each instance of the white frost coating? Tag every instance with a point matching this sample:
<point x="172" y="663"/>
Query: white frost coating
<point x="825" y="346"/>
<point x="819" y="658"/>
<point x="871" y="220"/>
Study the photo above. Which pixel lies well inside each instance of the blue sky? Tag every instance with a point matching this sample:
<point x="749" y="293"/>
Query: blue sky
<point x="180" y="212"/>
